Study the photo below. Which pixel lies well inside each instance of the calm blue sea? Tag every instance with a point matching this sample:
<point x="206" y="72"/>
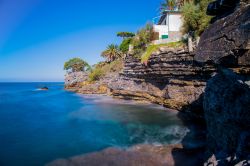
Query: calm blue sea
<point x="37" y="126"/>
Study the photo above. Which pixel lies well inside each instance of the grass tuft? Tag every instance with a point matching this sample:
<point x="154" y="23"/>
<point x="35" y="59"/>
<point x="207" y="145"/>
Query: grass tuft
<point x="103" y="69"/>
<point x="152" y="48"/>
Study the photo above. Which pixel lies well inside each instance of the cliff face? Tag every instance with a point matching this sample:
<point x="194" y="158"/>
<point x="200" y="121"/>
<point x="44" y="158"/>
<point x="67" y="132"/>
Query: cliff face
<point x="78" y="82"/>
<point x="227" y="114"/>
<point x="215" y="80"/>
<point x="74" y="79"/>
<point x="227" y="41"/>
<point x="171" y="78"/>
<point x="177" y="79"/>
<point x="227" y="96"/>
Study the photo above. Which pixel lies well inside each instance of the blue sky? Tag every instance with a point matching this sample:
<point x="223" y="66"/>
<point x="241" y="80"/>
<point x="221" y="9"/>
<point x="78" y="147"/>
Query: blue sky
<point x="38" y="36"/>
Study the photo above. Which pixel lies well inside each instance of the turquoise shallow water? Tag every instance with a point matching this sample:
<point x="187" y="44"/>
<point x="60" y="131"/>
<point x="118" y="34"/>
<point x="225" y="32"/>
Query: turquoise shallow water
<point x="39" y="126"/>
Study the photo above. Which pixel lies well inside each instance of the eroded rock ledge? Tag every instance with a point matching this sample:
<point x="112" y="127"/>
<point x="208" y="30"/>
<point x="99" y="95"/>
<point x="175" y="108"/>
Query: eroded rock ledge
<point x="170" y="78"/>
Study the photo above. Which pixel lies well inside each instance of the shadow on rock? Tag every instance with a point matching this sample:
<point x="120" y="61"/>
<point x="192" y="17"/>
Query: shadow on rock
<point x="224" y="139"/>
<point x="194" y="143"/>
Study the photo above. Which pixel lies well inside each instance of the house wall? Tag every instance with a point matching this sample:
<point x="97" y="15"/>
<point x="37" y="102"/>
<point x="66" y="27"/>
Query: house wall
<point x="162" y="29"/>
<point x="170" y="26"/>
<point x="175" y="22"/>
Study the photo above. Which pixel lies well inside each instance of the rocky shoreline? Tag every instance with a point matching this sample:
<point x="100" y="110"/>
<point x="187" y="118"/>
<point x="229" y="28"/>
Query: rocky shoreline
<point x="211" y="86"/>
<point x="171" y="78"/>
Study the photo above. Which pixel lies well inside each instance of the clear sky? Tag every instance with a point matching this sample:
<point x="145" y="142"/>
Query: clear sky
<point x="38" y="36"/>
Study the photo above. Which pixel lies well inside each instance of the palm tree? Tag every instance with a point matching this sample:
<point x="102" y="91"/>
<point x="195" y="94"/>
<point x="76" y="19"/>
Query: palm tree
<point x="172" y="4"/>
<point x="180" y="3"/>
<point x="168" y="5"/>
<point x="112" y="53"/>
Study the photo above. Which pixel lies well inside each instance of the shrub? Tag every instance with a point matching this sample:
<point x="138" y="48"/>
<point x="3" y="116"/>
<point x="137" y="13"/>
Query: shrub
<point x="124" y="47"/>
<point x="102" y="69"/>
<point x="142" y="39"/>
<point x="95" y="74"/>
<point x="195" y="18"/>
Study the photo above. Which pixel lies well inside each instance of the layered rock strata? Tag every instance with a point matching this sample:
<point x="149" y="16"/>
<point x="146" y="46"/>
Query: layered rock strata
<point x="170" y="78"/>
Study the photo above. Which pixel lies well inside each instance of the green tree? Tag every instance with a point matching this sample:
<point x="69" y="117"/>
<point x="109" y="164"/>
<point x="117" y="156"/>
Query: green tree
<point x="195" y="18"/>
<point x="125" y="34"/>
<point x="76" y="64"/>
<point x="111" y="53"/>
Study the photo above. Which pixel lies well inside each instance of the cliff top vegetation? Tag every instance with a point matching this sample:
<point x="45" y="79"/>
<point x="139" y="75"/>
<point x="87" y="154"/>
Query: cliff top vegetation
<point x="195" y="22"/>
<point x="76" y="65"/>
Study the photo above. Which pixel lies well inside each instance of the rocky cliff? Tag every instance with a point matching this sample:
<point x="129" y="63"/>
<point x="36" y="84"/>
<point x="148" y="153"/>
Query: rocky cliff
<point x="79" y="82"/>
<point x="177" y="79"/>
<point x="73" y="80"/>
<point x="170" y="78"/>
<point x="227" y="41"/>
<point x="213" y="83"/>
<point x="227" y="96"/>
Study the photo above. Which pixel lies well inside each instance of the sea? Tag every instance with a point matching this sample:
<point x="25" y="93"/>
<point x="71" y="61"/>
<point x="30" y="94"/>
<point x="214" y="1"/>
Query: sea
<point x="39" y="126"/>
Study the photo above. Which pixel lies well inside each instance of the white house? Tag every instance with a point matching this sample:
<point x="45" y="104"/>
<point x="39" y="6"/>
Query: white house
<point x="168" y="27"/>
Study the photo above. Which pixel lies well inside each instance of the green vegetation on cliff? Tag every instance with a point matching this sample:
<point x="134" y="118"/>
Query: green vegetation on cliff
<point x="124" y="46"/>
<point x="142" y="39"/>
<point x="125" y="34"/>
<point x="195" y="22"/>
<point x="152" y="48"/>
<point x="194" y="16"/>
<point x="112" y="53"/>
<point x="76" y="64"/>
<point x="103" y="68"/>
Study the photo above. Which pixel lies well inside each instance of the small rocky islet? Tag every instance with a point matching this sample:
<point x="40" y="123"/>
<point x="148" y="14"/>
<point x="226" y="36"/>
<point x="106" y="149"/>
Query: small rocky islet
<point x="209" y="87"/>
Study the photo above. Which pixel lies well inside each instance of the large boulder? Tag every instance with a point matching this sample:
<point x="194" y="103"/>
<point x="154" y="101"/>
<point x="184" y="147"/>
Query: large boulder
<point x="226" y="41"/>
<point x="227" y="114"/>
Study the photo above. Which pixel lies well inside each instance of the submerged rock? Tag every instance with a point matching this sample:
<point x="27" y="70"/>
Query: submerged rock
<point x="44" y="88"/>
<point x="140" y="155"/>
